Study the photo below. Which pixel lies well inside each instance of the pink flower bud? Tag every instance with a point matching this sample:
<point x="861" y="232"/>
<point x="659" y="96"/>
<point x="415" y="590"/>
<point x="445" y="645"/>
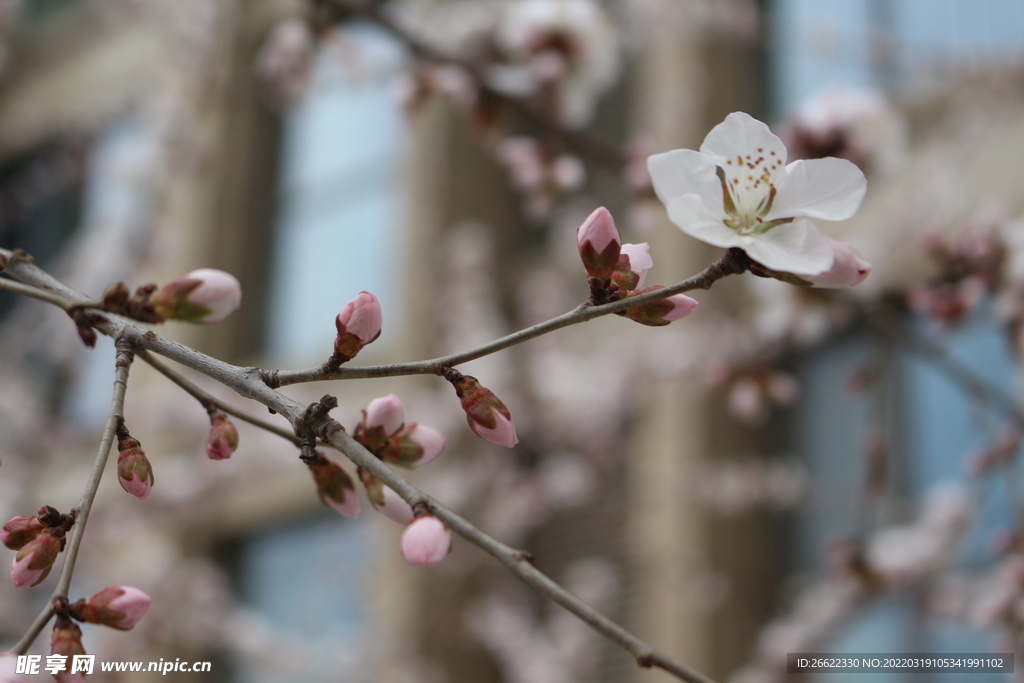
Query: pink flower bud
<point x="384" y="499"/>
<point x="20" y="530"/>
<point x="119" y="607"/>
<point x="204" y="295"/>
<point x="599" y="244"/>
<point x="386" y="412"/>
<point x="848" y="267"/>
<point x="426" y="541"/>
<point x="663" y="311"/>
<point x="394" y="508"/>
<point x="488" y="417"/>
<point x="417" y="445"/>
<point x="223" y="438"/>
<point x="334" y="486"/>
<point x="358" y="324"/>
<point x="34" y="561"/>
<point x="133" y="468"/>
<point x="640" y="261"/>
<point x="67" y="641"/>
<point x="9" y="669"/>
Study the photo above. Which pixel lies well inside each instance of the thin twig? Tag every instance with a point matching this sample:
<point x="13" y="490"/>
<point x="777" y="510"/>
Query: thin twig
<point x="733" y="262"/>
<point x="208" y="399"/>
<point x="35" y="293"/>
<point x="982" y="391"/>
<point x="516" y="560"/>
<point x="961" y="375"/>
<point x="122" y="366"/>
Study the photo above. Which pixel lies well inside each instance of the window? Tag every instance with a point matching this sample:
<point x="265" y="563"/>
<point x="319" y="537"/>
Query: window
<point x="340" y="212"/>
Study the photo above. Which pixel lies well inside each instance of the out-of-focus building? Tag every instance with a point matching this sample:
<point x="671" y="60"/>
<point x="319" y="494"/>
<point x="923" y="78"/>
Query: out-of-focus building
<point x="138" y="141"/>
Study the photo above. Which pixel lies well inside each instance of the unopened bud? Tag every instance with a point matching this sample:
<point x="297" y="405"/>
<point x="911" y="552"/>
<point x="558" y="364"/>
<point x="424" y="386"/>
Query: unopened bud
<point x="358" y="324"/>
<point x="9" y="669"/>
<point x="662" y="311"/>
<point x="20" y="530"/>
<point x="67" y="641"/>
<point x="385" y="500"/>
<point x="384" y="416"/>
<point x="133" y="468"/>
<point x="34" y="561"/>
<point x="119" y="607"/>
<point x="426" y="541"/>
<point x="204" y="295"/>
<point x="223" y="438"/>
<point x="634" y="262"/>
<point x="487" y="416"/>
<point x="334" y="486"/>
<point x="599" y="244"/>
<point x="849" y="267"/>
<point x="414" y="446"/>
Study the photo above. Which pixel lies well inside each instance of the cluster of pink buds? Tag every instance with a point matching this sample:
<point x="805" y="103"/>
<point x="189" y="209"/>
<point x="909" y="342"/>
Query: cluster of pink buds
<point x="426" y="541"/>
<point x="754" y="390"/>
<point x="617" y="271"/>
<point x="385" y="433"/>
<point x="334" y="486"/>
<point x="358" y="324"/>
<point x="487" y="416"/>
<point x="133" y="468"/>
<point x="204" y="295"/>
<point x="538" y="173"/>
<point x="223" y="438"/>
<point x="119" y="607"/>
<point x="969" y="267"/>
<point x="38" y="540"/>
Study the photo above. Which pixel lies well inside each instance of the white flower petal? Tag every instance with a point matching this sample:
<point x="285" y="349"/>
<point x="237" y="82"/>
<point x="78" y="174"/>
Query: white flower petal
<point x="741" y="135"/>
<point x="684" y="171"/>
<point x="795" y="247"/>
<point x="697" y="220"/>
<point x="639" y="255"/>
<point x="831" y="189"/>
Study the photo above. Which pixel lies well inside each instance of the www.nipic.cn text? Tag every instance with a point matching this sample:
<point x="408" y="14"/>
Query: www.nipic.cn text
<point x="86" y="664"/>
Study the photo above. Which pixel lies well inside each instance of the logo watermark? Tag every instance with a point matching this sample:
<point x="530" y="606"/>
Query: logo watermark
<point x="86" y="664"/>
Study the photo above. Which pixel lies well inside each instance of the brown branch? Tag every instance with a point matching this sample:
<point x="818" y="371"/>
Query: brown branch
<point x="733" y="262"/>
<point x="249" y="382"/>
<point x="116" y="414"/>
<point x="35" y="293"/>
<point x="645" y="655"/>
<point x="205" y="399"/>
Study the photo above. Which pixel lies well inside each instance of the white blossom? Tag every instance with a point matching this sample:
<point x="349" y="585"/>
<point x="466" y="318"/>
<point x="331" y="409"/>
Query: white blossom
<point x="737" y="191"/>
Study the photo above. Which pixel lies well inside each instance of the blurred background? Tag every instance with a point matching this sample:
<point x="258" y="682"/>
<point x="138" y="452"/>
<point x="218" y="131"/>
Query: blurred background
<point x="788" y="470"/>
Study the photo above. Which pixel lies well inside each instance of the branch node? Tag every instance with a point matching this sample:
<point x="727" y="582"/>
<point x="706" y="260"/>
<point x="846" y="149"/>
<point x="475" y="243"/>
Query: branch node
<point x="524" y="556"/>
<point x="269" y="377"/>
<point x="61" y="606"/>
<point x="316" y="421"/>
<point x="20" y="256"/>
<point x="645" y="660"/>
